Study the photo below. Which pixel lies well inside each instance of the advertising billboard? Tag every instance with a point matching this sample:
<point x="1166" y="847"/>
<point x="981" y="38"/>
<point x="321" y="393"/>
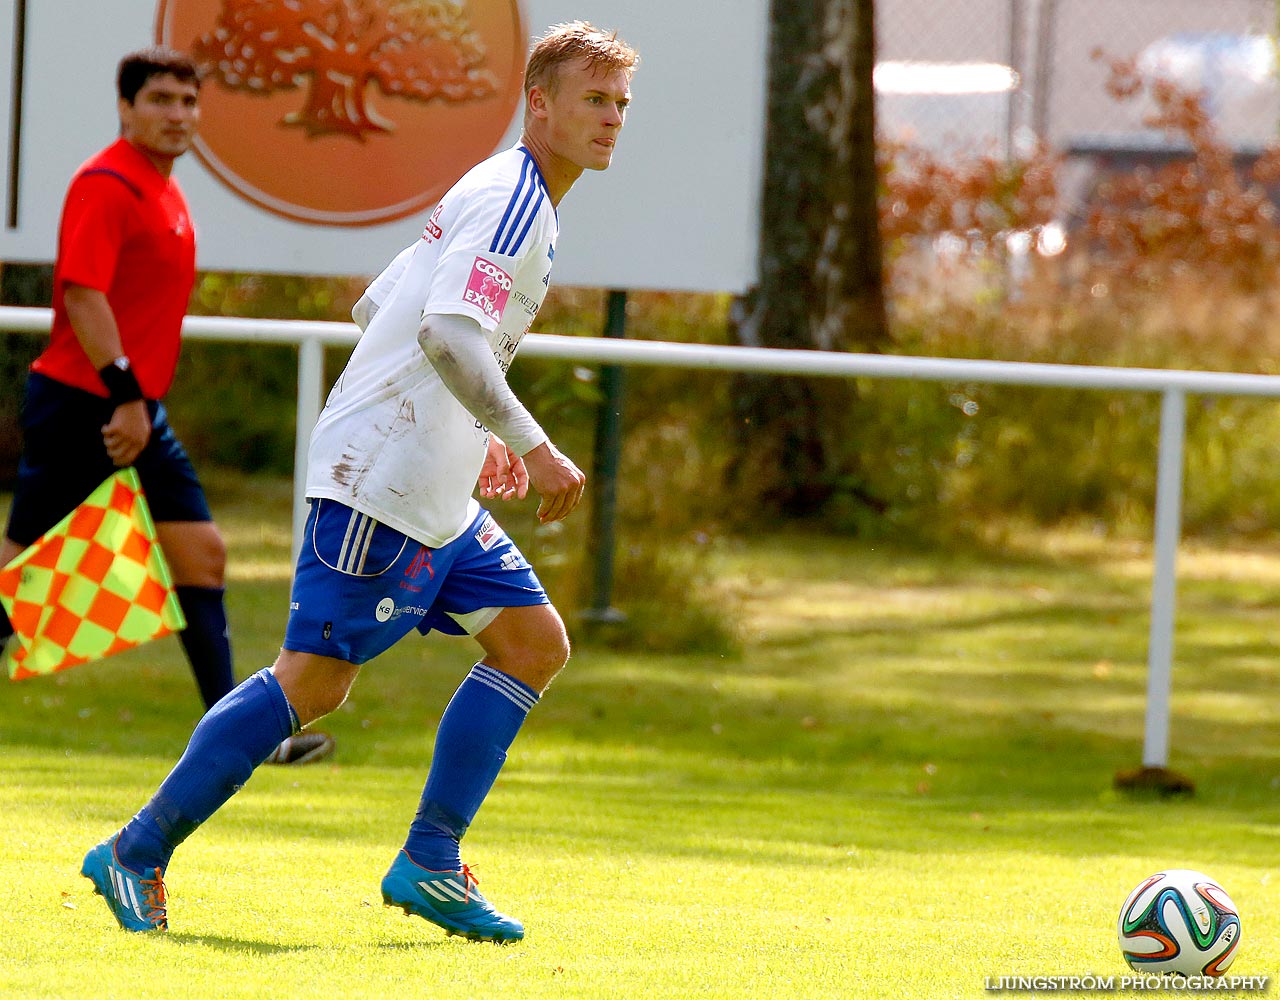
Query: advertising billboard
<point x="330" y="127"/>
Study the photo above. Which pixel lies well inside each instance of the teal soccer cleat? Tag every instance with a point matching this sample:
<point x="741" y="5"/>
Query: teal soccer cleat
<point x="137" y="901"/>
<point x="447" y="899"/>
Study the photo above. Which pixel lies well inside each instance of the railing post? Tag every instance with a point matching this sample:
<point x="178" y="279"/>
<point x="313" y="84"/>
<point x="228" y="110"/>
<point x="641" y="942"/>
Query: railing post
<point x="310" y="390"/>
<point x="1168" y="528"/>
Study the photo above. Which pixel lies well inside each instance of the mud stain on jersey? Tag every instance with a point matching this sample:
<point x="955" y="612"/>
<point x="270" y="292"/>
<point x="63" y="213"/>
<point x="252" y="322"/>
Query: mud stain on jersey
<point x="347" y="471"/>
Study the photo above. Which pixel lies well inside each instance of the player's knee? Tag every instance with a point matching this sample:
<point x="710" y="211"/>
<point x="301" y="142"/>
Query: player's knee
<point x="327" y="700"/>
<point x="320" y="693"/>
<point x="555" y="654"/>
<point x="535" y="662"/>
<point x="551" y="648"/>
<point x="313" y="685"/>
<point x="527" y="643"/>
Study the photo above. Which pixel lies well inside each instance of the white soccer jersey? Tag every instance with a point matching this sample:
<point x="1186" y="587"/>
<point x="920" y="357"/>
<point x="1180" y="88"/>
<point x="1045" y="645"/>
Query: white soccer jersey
<point x="392" y="440"/>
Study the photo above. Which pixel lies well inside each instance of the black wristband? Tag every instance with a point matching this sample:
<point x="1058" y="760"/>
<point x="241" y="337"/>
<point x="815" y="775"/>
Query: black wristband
<point x="122" y="384"/>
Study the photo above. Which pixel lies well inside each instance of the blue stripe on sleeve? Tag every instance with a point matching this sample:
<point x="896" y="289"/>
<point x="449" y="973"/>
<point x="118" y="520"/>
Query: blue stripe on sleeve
<point x="511" y="205"/>
<point x="519" y="216"/>
<point x="528" y="223"/>
<point x="506" y="247"/>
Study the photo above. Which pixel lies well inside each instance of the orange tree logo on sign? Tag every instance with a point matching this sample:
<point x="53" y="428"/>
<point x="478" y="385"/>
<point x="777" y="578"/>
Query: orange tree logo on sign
<point x="349" y="112"/>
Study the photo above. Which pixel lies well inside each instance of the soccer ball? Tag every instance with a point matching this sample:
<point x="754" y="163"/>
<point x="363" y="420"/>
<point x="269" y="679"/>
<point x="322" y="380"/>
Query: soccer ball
<point x="1179" y="921"/>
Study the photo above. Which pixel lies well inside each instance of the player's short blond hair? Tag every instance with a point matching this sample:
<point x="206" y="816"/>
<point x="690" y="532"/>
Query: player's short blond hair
<point x="564" y="43"/>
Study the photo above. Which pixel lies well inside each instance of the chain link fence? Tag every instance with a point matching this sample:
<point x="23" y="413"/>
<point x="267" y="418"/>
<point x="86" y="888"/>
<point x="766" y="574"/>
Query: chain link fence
<point x="961" y="78"/>
<point x="1001" y="73"/>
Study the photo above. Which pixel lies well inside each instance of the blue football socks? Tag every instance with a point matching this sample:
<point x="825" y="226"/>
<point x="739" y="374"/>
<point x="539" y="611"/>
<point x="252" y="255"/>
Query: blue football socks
<point x="477" y="728"/>
<point x="236" y="735"/>
<point x="206" y="641"/>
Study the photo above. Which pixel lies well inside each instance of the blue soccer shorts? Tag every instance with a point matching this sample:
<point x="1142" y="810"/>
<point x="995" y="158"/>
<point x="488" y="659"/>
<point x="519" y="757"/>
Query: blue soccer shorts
<point x="360" y="585"/>
<point x="64" y="460"/>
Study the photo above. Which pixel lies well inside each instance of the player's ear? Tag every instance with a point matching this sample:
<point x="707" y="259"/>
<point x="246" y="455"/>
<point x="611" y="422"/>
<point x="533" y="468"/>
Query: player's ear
<point x="536" y="102"/>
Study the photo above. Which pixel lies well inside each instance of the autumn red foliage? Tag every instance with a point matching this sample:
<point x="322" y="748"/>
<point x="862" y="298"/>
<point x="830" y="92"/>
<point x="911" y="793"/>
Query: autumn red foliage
<point x="1203" y="213"/>
<point x="979" y="199"/>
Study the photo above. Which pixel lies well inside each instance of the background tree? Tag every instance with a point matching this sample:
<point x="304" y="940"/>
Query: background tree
<point x="821" y="283"/>
<point x="338" y="48"/>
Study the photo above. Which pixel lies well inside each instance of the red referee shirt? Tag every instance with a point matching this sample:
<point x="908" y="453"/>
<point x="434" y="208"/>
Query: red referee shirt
<point x="125" y="232"/>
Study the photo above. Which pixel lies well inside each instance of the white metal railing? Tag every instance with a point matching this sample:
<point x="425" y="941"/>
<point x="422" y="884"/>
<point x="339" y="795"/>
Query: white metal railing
<point x="1173" y="385"/>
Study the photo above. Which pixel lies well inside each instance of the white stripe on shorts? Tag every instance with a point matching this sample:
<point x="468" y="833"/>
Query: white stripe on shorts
<point x="363" y="555"/>
<point x="355" y="543"/>
<point x="353" y="519"/>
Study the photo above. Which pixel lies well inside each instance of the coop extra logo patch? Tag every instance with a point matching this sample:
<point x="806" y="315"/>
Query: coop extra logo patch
<point x="349" y="113"/>
<point x="488" y="287"/>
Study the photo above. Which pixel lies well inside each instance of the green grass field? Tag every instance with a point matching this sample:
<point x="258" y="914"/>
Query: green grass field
<point x="900" y="787"/>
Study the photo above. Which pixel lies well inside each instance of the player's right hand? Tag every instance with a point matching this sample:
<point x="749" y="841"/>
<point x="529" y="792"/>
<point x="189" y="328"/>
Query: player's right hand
<point x="560" y="483"/>
<point x="127" y="433"/>
<point x="503" y="475"/>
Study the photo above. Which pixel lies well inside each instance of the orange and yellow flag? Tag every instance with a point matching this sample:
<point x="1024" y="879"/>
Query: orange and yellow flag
<point x="93" y="585"/>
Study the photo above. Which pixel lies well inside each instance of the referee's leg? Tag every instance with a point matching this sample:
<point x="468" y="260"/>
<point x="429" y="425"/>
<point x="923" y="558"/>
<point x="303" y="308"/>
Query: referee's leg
<point x="197" y="557"/>
<point x="196" y="553"/>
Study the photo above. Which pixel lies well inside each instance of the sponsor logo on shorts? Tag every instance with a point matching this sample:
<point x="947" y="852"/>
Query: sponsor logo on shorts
<point x="420" y="562"/>
<point x="489" y="534"/>
<point x="387" y="610"/>
<point x="488" y="287"/>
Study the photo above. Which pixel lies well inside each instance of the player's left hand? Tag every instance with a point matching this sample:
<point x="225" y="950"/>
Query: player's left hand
<point x="503" y="475"/>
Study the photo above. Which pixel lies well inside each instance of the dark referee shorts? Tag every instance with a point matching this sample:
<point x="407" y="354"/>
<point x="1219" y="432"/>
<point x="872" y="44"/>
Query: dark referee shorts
<point x="64" y="460"/>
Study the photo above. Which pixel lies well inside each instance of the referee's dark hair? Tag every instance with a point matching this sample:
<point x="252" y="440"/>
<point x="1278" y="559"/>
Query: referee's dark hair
<point x="138" y="67"/>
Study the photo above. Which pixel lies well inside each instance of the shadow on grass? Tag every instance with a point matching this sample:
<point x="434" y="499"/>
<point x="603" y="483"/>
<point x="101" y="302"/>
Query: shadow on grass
<point x="1119" y="617"/>
<point x="239" y="945"/>
<point x="426" y="944"/>
<point x="245" y="946"/>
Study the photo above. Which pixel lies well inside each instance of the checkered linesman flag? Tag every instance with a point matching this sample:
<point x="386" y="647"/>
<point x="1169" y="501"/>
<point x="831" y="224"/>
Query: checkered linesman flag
<point x="93" y="585"/>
